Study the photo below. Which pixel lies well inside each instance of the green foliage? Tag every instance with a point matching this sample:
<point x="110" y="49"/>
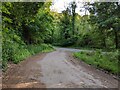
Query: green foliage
<point x="68" y="42"/>
<point x="107" y="61"/>
<point x="16" y="53"/>
<point x="33" y="49"/>
<point x="13" y="52"/>
<point x="106" y="17"/>
<point x="25" y="26"/>
<point x="20" y="55"/>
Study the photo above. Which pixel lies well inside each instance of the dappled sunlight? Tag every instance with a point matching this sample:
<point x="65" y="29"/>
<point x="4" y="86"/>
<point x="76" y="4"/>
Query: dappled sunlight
<point x="22" y="85"/>
<point x="25" y="85"/>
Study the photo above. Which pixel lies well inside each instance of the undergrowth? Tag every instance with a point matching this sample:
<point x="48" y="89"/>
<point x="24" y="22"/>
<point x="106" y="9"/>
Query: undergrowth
<point x="17" y="53"/>
<point x="105" y="60"/>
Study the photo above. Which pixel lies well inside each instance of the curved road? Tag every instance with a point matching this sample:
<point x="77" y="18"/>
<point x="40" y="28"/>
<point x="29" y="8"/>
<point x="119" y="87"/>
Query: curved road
<point x="60" y="69"/>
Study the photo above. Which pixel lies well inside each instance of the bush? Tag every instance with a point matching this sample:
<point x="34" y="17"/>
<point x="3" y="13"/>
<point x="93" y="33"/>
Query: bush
<point x="20" y="55"/>
<point x="69" y="42"/>
<point x="16" y="53"/>
<point x="33" y="49"/>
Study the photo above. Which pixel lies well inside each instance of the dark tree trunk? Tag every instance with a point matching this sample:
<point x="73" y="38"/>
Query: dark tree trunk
<point x="26" y="34"/>
<point x="116" y="39"/>
<point x="104" y="42"/>
<point x="73" y="17"/>
<point x="103" y="39"/>
<point x="73" y="23"/>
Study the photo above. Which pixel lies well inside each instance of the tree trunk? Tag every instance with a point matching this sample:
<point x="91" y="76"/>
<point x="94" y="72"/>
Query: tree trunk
<point x="116" y="39"/>
<point x="103" y="39"/>
<point x="26" y="34"/>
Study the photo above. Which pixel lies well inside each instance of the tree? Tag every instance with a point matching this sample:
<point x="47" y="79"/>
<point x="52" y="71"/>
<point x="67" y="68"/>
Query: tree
<point x="65" y="24"/>
<point x="73" y="7"/>
<point x="106" y="16"/>
<point x="22" y="13"/>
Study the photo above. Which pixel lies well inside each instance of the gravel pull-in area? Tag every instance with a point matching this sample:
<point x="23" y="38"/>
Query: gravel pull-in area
<point x="57" y="69"/>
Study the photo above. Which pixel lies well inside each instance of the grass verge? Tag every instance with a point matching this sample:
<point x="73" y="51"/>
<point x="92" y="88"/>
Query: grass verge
<point x="19" y="53"/>
<point x="106" y="61"/>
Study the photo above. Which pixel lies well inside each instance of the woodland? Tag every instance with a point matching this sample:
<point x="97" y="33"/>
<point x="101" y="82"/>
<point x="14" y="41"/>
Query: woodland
<point x="29" y="28"/>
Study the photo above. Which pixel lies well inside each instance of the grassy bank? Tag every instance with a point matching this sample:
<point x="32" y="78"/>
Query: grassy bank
<point x="106" y="61"/>
<point x="19" y="53"/>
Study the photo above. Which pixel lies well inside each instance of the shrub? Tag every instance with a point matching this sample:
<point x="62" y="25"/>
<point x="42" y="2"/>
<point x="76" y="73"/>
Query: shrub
<point x="16" y="53"/>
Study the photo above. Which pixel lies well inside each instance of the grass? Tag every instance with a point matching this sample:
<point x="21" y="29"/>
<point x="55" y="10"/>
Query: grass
<point x="19" y="53"/>
<point x="106" y="61"/>
<point x="31" y="50"/>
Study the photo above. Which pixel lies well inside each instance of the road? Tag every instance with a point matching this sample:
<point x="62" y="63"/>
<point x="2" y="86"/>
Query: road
<point x="57" y="69"/>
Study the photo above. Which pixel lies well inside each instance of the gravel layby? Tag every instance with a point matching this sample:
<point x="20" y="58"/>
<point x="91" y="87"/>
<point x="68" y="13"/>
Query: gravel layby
<point x="57" y="69"/>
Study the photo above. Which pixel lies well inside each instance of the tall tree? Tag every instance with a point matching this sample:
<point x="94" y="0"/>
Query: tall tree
<point x="73" y="7"/>
<point x="106" y="16"/>
<point x="22" y="13"/>
<point x="65" y="24"/>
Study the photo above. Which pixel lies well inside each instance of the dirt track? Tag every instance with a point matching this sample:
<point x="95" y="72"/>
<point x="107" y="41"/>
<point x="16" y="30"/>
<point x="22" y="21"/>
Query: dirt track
<point x="56" y="69"/>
